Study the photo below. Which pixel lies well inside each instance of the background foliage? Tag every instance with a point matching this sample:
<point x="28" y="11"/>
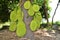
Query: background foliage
<point x="6" y="6"/>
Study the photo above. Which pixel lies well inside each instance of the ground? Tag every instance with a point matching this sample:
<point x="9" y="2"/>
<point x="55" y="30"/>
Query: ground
<point x="5" y="34"/>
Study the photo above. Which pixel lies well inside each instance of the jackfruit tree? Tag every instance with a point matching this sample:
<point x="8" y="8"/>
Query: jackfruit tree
<point x="26" y="15"/>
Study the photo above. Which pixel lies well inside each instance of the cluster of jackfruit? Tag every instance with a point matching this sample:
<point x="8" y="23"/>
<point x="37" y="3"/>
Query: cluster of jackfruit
<point x="33" y="10"/>
<point x="17" y="23"/>
<point x="35" y="24"/>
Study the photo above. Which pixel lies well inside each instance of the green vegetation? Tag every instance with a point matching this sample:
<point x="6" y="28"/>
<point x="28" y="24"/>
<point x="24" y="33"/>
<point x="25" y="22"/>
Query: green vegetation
<point x="13" y="11"/>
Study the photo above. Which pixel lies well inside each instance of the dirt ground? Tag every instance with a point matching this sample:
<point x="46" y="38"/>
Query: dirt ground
<point x="5" y="34"/>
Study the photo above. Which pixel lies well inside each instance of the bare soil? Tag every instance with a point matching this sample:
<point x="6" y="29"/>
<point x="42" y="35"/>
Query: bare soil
<point x="5" y="34"/>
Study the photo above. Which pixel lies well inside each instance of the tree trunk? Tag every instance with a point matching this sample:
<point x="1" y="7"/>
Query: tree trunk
<point x="46" y="13"/>
<point x="27" y="20"/>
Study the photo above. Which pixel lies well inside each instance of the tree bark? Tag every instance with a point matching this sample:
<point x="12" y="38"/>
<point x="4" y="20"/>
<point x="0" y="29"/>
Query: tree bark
<point x="27" y="20"/>
<point x="46" y="13"/>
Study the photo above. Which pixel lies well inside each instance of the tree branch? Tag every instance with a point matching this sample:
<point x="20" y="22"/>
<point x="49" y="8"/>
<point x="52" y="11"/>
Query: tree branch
<point x="55" y="12"/>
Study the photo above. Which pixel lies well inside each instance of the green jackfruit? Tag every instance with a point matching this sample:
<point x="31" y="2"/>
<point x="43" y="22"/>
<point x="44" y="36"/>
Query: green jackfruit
<point x="13" y="16"/>
<point x="20" y="14"/>
<point x="30" y="12"/>
<point x="38" y="18"/>
<point x="27" y="4"/>
<point x="36" y="7"/>
<point x="21" y="29"/>
<point x="33" y="25"/>
<point x="12" y="26"/>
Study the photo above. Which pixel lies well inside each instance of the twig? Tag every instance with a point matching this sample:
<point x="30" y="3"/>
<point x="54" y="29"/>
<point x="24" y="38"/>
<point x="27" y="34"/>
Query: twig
<point x="55" y="12"/>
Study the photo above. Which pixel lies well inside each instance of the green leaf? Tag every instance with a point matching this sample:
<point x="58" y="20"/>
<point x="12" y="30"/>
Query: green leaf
<point x="40" y="2"/>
